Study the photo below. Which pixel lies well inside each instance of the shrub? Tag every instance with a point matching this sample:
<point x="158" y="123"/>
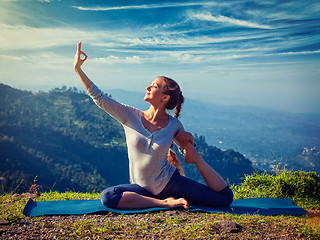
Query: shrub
<point x="302" y="187"/>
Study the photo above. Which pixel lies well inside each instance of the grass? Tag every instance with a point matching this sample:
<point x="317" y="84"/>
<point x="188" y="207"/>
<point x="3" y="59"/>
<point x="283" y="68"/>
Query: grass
<point x="178" y="224"/>
<point x="12" y="205"/>
<point x="302" y="187"/>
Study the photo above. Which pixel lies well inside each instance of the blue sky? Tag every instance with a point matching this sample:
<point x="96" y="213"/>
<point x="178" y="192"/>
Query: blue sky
<point x="263" y="53"/>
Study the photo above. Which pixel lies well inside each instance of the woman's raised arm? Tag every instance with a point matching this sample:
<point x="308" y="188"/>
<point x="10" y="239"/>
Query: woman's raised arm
<point x="78" y="61"/>
<point x="115" y="109"/>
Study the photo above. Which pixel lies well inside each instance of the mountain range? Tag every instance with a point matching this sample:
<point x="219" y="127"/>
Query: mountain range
<point x="62" y="141"/>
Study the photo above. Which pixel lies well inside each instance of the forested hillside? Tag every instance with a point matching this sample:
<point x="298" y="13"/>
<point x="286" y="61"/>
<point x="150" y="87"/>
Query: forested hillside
<point x="230" y="164"/>
<point x="265" y="136"/>
<point x="68" y="143"/>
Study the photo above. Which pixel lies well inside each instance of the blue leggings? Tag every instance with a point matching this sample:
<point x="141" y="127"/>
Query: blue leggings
<point x="178" y="187"/>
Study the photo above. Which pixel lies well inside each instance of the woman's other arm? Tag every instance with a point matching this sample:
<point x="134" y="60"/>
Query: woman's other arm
<point x="210" y="176"/>
<point x="78" y="61"/>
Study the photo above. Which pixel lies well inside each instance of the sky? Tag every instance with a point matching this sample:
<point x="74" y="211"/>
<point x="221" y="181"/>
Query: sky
<point x="262" y="53"/>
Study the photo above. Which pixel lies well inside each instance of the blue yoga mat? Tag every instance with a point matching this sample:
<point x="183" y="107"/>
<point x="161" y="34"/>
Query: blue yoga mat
<point x="262" y="206"/>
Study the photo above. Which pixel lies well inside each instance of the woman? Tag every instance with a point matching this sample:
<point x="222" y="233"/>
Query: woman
<point x="154" y="181"/>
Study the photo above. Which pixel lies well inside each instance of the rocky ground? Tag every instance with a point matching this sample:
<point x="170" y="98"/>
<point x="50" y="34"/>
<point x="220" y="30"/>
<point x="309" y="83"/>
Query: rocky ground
<point x="175" y="224"/>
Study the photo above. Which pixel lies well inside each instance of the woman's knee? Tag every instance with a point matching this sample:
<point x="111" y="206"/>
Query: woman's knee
<point x="110" y="197"/>
<point x="223" y="198"/>
<point x="228" y="196"/>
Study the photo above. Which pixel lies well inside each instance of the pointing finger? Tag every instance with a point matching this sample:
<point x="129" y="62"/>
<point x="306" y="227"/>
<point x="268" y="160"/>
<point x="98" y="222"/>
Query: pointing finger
<point x="79" y="46"/>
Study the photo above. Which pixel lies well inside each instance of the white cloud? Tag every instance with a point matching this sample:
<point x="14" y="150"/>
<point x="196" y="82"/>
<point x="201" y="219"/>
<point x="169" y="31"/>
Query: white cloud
<point x="153" y="46"/>
<point x="25" y="37"/>
<point x="42" y="60"/>
<point x="183" y="41"/>
<point x="186" y="57"/>
<point x="147" y="6"/>
<point x="13" y="58"/>
<point x="134" y="59"/>
<point x="224" y="19"/>
<point x="5" y="1"/>
<point x="298" y="53"/>
<point x="114" y="59"/>
<point x="20" y="37"/>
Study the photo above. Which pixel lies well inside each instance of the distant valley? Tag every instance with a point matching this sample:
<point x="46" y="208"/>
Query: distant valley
<point x="265" y="136"/>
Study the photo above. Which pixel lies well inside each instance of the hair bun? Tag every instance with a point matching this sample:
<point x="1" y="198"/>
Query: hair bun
<point x="181" y="97"/>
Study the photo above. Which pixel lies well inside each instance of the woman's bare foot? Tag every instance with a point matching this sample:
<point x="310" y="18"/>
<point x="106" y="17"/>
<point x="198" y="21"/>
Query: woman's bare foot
<point x="180" y="202"/>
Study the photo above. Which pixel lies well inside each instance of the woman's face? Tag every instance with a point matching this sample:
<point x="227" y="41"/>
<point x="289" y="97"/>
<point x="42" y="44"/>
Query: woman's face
<point x="154" y="94"/>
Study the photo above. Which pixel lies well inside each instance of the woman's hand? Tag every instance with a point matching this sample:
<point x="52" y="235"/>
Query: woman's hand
<point x="78" y="61"/>
<point x="184" y="138"/>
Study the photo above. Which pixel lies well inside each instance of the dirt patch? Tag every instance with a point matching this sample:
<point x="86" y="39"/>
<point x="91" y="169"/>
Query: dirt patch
<point x="175" y="224"/>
